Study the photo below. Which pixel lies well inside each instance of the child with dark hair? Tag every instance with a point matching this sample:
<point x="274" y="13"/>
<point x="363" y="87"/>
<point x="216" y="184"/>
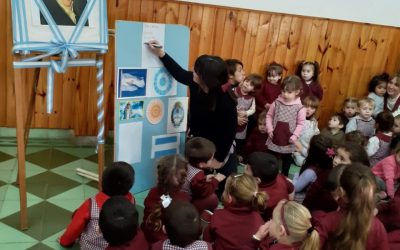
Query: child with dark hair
<point x="117" y="180"/>
<point x="356" y="137"/>
<point x="264" y="167"/>
<point x="171" y="174"/>
<point x="246" y="106"/>
<point x="354" y="225"/>
<point x="257" y="138"/>
<point x="388" y="172"/>
<point x="377" y="91"/>
<point x="334" y="131"/>
<point x="119" y="225"/>
<point x="233" y="226"/>
<point x="316" y="166"/>
<point x="396" y="126"/>
<point x="379" y="145"/>
<point x="271" y="87"/>
<point x="349" y="152"/>
<point x="285" y="121"/>
<point x="199" y="152"/>
<point x="182" y="225"/>
<point x="308" y="72"/>
<point x="349" y="109"/>
<point x="236" y="73"/>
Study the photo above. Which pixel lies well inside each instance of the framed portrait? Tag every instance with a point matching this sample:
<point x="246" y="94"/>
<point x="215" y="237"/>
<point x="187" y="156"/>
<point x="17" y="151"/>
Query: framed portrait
<point x="40" y="24"/>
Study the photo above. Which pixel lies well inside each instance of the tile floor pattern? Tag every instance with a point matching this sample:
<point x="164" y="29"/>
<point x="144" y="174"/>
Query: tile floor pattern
<point x="54" y="192"/>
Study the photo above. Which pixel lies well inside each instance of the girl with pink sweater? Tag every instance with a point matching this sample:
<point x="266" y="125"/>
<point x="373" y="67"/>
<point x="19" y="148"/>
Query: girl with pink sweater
<point x="389" y="171"/>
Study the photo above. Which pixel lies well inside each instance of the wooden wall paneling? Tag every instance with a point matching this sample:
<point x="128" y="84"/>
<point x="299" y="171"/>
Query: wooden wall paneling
<point x="132" y="11"/>
<point x="283" y="38"/>
<point x="305" y="37"/>
<point x="219" y="30"/>
<point x="272" y="39"/>
<point x="196" y="15"/>
<point x="3" y="63"/>
<point x="207" y="31"/>
<point x="261" y="44"/>
<point x="250" y="39"/>
<point x="227" y="41"/>
<point x="68" y="88"/>
<point x="292" y="43"/>
<point x="146" y="11"/>
<point x="239" y="35"/>
<point x="159" y="11"/>
<point x="172" y="14"/>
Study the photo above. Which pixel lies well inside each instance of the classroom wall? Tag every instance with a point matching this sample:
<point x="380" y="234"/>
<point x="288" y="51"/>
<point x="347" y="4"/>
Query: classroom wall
<point x="349" y="53"/>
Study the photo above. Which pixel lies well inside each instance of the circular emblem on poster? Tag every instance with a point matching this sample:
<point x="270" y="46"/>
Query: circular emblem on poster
<point x="155" y="111"/>
<point x="177" y="114"/>
<point x="162" y="82"/>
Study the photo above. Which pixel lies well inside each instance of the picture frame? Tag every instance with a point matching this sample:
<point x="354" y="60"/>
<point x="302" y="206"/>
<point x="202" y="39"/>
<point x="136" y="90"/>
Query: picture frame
<point x="45" y="25"/>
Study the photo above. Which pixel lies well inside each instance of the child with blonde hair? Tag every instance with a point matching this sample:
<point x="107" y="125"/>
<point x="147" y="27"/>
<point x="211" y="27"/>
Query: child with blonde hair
<point x="289" y="228"/>
<point x="171" y="174"/>
<point x="285" y="121"/>
<point x="363" y="122"/>
<point x="233" y="226"/>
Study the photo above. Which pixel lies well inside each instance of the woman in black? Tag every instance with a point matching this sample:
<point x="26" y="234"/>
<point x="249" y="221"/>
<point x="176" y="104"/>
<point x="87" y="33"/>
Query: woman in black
<point x="213" y="112"/>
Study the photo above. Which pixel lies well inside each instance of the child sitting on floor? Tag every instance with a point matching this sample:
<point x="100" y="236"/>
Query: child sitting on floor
<point x="119" y="225"/>
<point x="379" y="145"/>
<point x="182" y="225"/>
<point x="264" y="167"/>
<point x="117" y="180"/>
<point x="334" y="131"/>
<point x="199" y="152"/>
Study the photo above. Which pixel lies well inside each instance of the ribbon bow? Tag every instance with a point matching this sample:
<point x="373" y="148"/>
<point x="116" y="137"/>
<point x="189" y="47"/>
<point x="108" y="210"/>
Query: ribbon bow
<point x="165" y="200"/>
<point x="330" y="152"/>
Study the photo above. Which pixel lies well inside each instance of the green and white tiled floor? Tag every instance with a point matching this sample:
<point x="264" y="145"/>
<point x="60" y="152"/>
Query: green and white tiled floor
<point x="54" y="190"/>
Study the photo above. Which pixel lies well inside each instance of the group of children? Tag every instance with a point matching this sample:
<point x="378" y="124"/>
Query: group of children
<point x="345" y="195"/>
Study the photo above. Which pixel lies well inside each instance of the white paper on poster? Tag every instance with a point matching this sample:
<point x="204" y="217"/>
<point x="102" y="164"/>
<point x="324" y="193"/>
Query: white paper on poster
<point x="130" y="142"/>
<point x="177" y="114"/>
<point x="160" y="83"/>
<point x="152" y="31"/>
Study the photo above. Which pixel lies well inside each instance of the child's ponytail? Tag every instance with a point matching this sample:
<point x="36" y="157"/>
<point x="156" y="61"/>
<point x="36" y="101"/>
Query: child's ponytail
<point x="259" y="201"/>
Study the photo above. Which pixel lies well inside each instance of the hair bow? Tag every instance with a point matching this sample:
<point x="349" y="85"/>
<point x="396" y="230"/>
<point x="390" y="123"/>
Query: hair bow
<point x="165" y="200"/>
<point x="330" y="152"/>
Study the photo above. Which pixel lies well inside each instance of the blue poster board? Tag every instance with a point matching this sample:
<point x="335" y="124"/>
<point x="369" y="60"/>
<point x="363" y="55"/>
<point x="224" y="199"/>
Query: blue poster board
<point x="147" y="97"/>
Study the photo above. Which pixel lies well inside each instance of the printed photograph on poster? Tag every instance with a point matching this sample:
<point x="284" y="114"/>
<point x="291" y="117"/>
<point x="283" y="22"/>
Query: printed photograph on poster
<point x="66" y="14"/>
<point x="162" y="145"/>
<point x="160" y="83"/>
<point x="130" y="142"/>
<point x="152" y="31"/>
<point x="155" y="111"/>
<point x="131" y="82"/>
<point x="177" y="114"/>
<point x="130" y="110"/>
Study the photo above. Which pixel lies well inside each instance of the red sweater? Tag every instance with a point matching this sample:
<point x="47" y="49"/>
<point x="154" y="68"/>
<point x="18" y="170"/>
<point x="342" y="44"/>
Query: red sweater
<point x="276" y="191"/>
<point x="139" y="242"/>
<point x="197" y="245"/>
<point x="271" y="244"/>
<point x="313" y="88"/>
<point x="329" y="224"/>
<point x="394" y="240"/>
<point x="81" y="218"/>
<point x="389" y="213"/>
<point x="152" y="199"/>
<point x="318" y="197"/>
<point x="267" y="94"/>
<point x="232" y="228"/>
<point x="255" y="143"/>
<point x="201" y="188"/>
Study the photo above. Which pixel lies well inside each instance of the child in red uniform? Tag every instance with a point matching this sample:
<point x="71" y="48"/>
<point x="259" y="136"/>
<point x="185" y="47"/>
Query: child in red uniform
<point x="318" y="195"/>
<point x="271" y="87"/>
<point x="183" y="227"/>
<point x="354" y="225"/>
<point x="233" y="226"/>
<point x="199" y="152"/>
<point x="119" y="225"/>
<point x="258" y="137"/>
<point x="289" y="229"/>
<point x="285" y="121"/>
<point x="171" y="174"/>
<point x="264" y="167"/>
<point x="117" y="180"/>
<point x="309" y="72"/>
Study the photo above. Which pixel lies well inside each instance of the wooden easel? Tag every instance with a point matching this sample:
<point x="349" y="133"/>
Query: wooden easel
<point x="24" y="121"/>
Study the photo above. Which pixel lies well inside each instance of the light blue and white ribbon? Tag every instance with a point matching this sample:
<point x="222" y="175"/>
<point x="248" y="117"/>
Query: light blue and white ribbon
<point x="67" y="50"/>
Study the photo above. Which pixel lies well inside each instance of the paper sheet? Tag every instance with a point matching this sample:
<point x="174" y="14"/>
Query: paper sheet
<point x="152" y="31"/>
<point x="130" y="142"/>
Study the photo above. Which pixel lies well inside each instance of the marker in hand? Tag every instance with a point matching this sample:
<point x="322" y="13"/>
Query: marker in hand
<point x="154" y="45"/>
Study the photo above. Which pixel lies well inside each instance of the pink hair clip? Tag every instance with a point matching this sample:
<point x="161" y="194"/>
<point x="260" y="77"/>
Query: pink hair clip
<point x="330" y="152"/>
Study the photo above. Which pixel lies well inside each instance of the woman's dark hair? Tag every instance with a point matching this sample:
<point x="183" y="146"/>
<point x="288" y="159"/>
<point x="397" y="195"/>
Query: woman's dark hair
<point x="318" y="155"/>
<point x="118" y="179"/>
<point x="118" y="220"/>
<point x="182" y="223"/>
<point x="376" y="80"/>
<point x="315" y="66"/>
<point x="231" y="65"/>
<point x="212" y="71"/>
